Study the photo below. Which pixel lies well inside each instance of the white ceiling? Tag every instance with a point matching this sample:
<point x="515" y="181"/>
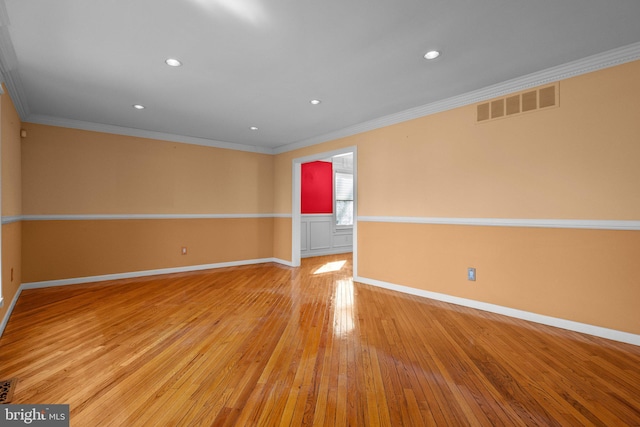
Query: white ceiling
<point x="260" y="62"/>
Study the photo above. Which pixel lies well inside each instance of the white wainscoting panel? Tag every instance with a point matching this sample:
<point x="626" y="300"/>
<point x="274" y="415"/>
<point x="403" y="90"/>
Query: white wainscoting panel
<point x="319" y="234"/>
<point x="343" y="239"/>
<point x="318" y="237"/>
<point x="304" y="233"/>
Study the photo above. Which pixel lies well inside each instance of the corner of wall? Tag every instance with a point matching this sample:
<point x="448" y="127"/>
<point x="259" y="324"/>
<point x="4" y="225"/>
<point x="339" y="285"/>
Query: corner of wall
<point x="11" y="206"/>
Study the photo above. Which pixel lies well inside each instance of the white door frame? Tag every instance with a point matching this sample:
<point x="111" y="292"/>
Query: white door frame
<point x="296" y="202"/>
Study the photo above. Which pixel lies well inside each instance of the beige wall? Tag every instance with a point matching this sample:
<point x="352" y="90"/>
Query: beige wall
<point x="576" y="161"/>
<point x="282" y="245"/>
<point x="11" y="201"/>
<point x="69" y="249"/>
<point x="11" y="164"/>
<point x="76" y="172"/>
<point x="587" y="276"/>
<point x="69" y="171"/>
<point x="11" y="260"/>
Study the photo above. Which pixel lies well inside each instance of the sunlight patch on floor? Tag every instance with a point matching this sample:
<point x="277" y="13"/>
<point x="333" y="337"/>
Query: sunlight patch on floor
<point x="330" y="267"/>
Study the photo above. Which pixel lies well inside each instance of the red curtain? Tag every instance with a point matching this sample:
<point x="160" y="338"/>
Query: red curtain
<point x="317" y="188"/>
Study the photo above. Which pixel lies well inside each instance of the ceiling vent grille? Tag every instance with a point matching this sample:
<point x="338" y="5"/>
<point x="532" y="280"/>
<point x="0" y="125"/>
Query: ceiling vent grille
<point x="515" y="104"/>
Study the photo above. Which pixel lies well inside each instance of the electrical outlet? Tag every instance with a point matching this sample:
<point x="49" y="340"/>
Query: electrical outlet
<point x="184" y="250"/>
<point x="471" y="274"/>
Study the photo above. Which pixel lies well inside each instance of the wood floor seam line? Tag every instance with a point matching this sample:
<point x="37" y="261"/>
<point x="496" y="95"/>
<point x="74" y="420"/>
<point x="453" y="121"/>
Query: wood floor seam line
<point x="262" y="345"/>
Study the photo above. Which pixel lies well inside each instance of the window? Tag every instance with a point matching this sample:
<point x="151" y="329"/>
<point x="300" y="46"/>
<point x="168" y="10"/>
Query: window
<point x="344" y="199"/>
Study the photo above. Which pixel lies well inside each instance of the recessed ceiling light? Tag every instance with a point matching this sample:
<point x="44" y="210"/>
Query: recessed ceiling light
<point x="315" y="101"/>
<point x="253" y="128"/>
<point x="432" y="54"/>
<point x="173" y="62"/>
<point x="138" y="106"/>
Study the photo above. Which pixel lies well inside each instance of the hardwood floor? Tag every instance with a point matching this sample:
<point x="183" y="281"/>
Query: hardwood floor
<point x="271" y="345"/>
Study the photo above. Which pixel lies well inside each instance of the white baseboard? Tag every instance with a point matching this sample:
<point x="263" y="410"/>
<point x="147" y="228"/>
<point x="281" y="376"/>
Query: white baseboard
<point x="130" y="275"/>
<point x="283" y="262"/>
<point x="134" y="274"/>
<point x="570" y="325"/>
<point x="7" y="315"/>
<point x="598" y="331"/>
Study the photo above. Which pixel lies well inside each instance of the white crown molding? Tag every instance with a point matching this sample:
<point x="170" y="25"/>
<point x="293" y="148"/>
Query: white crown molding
<point x="507" y="222"/>
<point x="575" y="68"/>
<point x="98" y="217"/>
<point x="570" y="325"/>
<point x="10" y="75"/>
<point x="9" y="66"/>
<point x="140" y="133"/>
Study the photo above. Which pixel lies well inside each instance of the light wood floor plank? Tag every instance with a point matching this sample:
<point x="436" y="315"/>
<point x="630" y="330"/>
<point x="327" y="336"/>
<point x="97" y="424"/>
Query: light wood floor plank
<point x="268" y="345"/>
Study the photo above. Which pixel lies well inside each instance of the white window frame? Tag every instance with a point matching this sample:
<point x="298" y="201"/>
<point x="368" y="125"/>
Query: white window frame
<point x="337" y="227"/>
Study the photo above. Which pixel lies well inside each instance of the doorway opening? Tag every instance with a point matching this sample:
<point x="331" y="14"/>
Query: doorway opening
<point x="344" y="209"/>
